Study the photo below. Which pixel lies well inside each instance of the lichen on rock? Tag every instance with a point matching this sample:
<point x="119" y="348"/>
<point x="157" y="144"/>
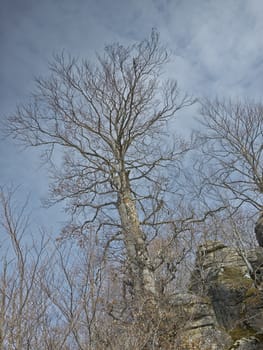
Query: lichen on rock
<point x="222" y="275"/>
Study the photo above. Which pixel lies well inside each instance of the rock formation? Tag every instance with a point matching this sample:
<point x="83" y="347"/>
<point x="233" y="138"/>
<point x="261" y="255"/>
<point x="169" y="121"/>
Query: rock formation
<point x="223" y="308"/>
<point x="234" y="297"/>
<point x="197" y="326"/>
<point x="259" y="230"/>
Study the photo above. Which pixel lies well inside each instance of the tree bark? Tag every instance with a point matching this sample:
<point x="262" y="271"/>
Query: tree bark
<point x="142" y="272"/>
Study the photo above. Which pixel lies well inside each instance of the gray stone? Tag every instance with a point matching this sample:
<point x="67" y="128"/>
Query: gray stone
<point x="250" y="343"/>
<point x="199" y="328"/>
<point x="221" y="274"/>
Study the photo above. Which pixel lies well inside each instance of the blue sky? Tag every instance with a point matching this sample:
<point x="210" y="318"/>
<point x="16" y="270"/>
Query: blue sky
<point x="217" y="50"/>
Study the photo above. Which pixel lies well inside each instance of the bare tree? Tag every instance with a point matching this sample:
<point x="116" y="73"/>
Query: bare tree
<point x="110" y="121"/>
<point x="232" y="137"/>
<point x="232" y="156"/>
<point x="50" y="294"/>
<point x="74" y="290"/>
<point x="22" y="308"/>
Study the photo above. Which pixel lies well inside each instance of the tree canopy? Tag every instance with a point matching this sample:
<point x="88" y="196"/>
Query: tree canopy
<point x="109" y="119"/>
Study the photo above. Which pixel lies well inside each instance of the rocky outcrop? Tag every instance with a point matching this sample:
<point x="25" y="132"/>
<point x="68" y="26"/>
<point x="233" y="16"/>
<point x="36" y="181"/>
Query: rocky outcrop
<point x="249" y="343"/>
<point x="223" y="308"/>
<point x="233" y="294"/>
<point x="197" y="326"/>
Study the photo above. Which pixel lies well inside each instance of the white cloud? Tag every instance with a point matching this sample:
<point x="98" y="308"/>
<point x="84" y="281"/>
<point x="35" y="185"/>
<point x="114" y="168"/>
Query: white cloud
<point x="221" y="41"/>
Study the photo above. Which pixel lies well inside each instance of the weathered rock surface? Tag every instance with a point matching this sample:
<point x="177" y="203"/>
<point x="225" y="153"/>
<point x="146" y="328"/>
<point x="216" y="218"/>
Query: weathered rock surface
<point x="198" y="327"/>
<point x="234" y="298"/>
<point x="250" y="343"/>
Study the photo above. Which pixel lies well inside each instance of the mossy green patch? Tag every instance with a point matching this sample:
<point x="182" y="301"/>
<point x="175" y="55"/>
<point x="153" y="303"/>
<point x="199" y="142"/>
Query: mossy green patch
<point x="234" y="277"/>
<point x="239" y="332"/>
<point x="253" y="297"/>
<point x="251" y="292"/>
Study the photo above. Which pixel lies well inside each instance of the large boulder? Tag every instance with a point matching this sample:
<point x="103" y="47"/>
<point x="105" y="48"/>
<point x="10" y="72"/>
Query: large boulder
<point x="196" y="324"/>
<point x="222" y="275"/>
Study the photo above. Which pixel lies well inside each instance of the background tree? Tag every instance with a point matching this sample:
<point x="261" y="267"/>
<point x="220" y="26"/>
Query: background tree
<point x="231" y="164"/>
<point x="232" y="146"/>
<point x="52" y="294"/>
<point x="110" y="121"/>
<point x="22" y="307"/>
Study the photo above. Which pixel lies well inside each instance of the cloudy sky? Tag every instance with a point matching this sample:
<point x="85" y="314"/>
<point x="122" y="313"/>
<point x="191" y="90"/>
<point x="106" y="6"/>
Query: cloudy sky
<point x="217" y="50"/>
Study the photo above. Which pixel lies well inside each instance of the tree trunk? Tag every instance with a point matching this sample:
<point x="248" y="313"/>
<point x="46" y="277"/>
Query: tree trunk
<point x="138" y="256"/>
